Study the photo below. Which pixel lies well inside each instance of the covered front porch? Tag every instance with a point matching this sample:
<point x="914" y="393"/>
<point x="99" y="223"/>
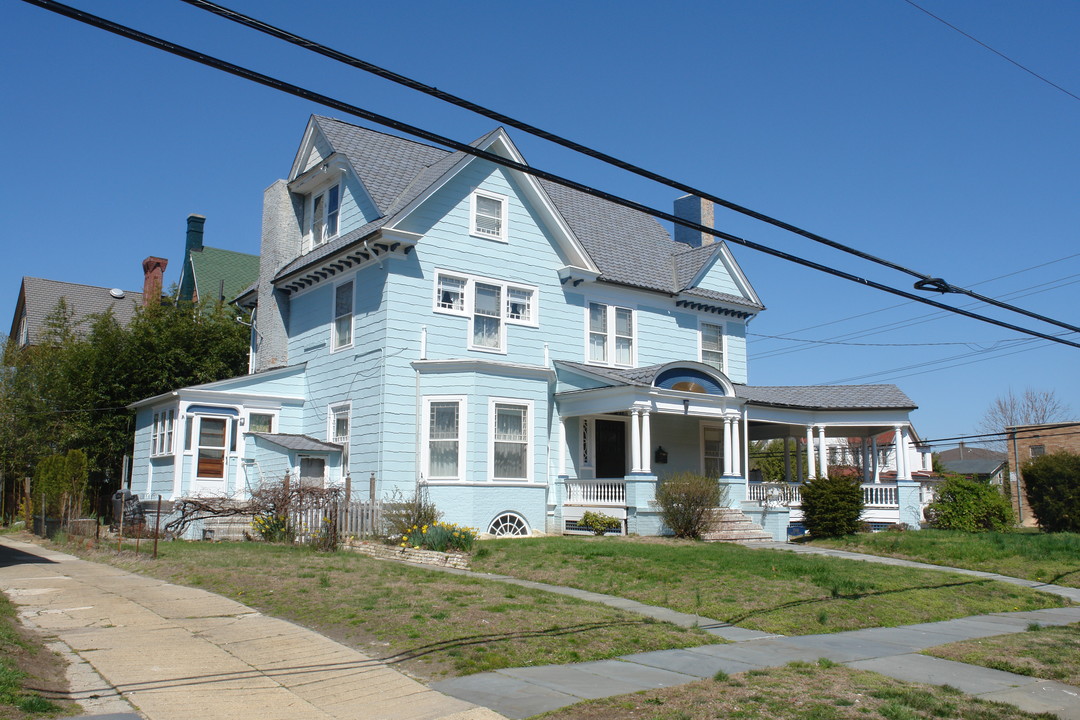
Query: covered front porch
<point x="618" y="437"/>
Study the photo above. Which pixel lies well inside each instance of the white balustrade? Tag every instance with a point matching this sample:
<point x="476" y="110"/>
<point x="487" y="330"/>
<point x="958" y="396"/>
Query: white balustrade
<point x="603" y="493"/>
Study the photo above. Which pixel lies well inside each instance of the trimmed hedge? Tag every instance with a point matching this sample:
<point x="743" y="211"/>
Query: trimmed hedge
<point x="1053" y="491"/>
<point x="832" y="505"/>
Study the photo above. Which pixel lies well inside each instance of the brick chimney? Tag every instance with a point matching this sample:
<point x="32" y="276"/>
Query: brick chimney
<point x="696" y="210"/>
<point x="153" y="269"/>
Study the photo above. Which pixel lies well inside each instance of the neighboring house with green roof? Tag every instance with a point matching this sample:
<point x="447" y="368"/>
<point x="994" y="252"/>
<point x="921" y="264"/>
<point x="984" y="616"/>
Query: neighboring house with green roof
<point x="210" y="273"/>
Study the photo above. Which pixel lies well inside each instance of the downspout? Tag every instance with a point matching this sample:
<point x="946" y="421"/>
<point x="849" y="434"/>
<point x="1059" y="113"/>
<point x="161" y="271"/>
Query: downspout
<point x="416" y="373"/>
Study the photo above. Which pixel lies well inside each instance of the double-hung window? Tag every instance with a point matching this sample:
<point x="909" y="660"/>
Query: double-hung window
<point x="343" y="315"/>
<point x="712" y="345"/>
<point x="161" y="433"/>
<point x="510" y="441"/>
<point x="339" y="431"/>
<point x="611" y="334"/>
<point x="445" y="438"/>
<point x="490" y="305"/>
<point x="325" y="207"/>
<point x="488" y="216"/>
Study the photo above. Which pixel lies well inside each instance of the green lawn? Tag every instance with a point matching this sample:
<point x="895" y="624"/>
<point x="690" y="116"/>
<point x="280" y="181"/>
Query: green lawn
<point x="1051" y="653"/>
<point x="774" y="591"/>
<point x="799" y="691"/>
<point x="1044" y="557"/>
<point x="431" y="623"/>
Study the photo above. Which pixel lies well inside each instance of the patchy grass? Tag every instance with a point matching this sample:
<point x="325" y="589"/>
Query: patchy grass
<point x="1051" y="653"/>
<point x="1044" y="557"/>
<point x="27" y="672"/>
<point x="799" y="691"/>
<point x="773" y="591"/>
<point x="430" y="623"/>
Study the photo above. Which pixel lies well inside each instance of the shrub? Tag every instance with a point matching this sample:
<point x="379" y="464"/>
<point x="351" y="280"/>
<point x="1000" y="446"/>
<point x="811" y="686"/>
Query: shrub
<point x="969" y="506"/>
<point x="686" y="501"/>
<point x="1053" y="491"/>
<point x="403" y="515"/>
<point x="599" y="523"/>
<point x="832" y="505"/>
<point x="442" y="537"/>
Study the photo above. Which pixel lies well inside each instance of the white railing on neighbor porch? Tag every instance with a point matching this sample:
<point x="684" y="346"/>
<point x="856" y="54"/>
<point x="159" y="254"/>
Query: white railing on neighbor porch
<point x="874" y="495"/>
<point x="600" y="493"/>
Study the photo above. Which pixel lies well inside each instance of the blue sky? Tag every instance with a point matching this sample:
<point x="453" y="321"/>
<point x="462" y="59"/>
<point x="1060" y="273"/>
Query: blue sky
<point x="867" y="122"/>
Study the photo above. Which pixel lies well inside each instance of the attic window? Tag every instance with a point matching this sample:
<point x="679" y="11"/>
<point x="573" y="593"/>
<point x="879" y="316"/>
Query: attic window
<point x="488" y="215"/>
<point x="325" y="207"/>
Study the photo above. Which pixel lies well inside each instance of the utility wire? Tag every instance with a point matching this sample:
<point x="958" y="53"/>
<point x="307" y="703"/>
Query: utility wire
<point x="312" y="96"/>
<point x="996" y="52"/>
<point x="925" y="282"/>
<point x="788" y="338"/>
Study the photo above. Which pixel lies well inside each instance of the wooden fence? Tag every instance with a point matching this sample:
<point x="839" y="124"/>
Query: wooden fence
<point x="356" y="519"/>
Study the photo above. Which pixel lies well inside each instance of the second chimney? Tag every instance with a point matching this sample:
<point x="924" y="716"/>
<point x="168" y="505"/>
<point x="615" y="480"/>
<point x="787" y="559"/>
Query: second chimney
<point x="153" y="269"/>
<point x="696" y="210"/>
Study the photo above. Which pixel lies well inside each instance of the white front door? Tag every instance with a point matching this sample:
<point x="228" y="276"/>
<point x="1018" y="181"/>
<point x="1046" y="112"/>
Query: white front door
<point x="211" y="461"/>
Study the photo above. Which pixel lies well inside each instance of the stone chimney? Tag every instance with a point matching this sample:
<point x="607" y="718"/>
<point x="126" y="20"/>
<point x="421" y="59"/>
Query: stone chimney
<point x="696" y="210"/>
<point x="281" y="238"/>
<point x="153" y="269"/>
<point x="193" y="243"/>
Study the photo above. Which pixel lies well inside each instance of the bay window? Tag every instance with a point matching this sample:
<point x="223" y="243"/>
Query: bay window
<point x="510" y="441"/>
<point x="490" y="305"/>
<point x="444" y="439"/>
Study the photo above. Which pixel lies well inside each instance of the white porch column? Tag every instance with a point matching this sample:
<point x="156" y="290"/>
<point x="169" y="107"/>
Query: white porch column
<point x="787" y="459"/>
<point x="810" y="466"/>
<point x="903" y="471"/>
<point x="823" y="455"/>
<point x="646" y="442"/>
<point x="635" y="440"/>
<point x="736" y="448"/>
<point x="562" y="446"/>
<point x="865" y="461"/>
<point x="727" y="447"/>
<point x="875" y="459"/>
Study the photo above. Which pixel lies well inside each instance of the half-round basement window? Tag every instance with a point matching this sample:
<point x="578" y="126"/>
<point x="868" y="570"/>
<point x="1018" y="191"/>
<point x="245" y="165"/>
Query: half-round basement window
<point x="509" y="525"/>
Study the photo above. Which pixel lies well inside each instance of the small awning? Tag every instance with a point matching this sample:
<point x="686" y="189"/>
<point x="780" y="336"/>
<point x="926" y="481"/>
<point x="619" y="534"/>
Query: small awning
<point x="302" y="443"/>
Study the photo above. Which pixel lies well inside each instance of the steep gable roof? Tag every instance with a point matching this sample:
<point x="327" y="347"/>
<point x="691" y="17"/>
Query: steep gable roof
<point x="223" y="273"/>
<point x="628" y="247"/>
<point x="38" y="298"/>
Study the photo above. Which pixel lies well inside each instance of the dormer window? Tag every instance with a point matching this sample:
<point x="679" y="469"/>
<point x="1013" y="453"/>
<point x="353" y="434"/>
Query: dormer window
<point x="325" y="207"/>
<point x="488" y="215"/>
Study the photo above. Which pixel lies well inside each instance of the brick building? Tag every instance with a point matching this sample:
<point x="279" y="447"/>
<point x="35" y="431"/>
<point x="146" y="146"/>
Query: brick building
<point x="1031" y="441"/>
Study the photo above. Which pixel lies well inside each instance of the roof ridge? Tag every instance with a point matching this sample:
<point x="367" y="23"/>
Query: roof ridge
<point x="379" y="132"/>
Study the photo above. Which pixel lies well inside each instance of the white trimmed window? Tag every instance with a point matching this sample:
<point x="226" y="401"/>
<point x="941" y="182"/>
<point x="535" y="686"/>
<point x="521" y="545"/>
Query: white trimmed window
<point x="712" y="345"/>
<point x="325" y="208"/>
<point x="260" y="422"/>
<point x="488" y="215"/>
<point x="444" y="438"/>
<point x="611" y="335"/>
<point x="510" y="440"/>
<point x="343" y="315"/>
<point x="338" y="431"/>
<point x="489" y="304"/>
<point x="161" y="433"/>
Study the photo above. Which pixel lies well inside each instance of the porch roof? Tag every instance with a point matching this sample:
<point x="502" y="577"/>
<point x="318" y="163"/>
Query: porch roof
<point x="805" y="397"/>
<point x="302" y="443"/>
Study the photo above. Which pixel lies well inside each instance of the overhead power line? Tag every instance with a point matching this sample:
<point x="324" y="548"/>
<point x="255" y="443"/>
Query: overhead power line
<point x="1000" y="54"/>
<point x="925" y="282"/>
<point x="312" y="96"/>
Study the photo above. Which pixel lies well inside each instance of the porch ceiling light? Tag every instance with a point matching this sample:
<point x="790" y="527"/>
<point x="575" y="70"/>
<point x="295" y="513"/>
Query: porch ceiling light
<point x="686" y="406"/>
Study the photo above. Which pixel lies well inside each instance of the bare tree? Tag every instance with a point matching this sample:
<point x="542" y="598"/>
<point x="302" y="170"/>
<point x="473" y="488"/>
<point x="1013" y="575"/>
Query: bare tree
<point x="1034" y="407"/>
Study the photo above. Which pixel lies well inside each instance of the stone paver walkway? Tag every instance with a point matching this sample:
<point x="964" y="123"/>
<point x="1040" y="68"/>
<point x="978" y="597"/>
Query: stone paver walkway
<point x="175" y="652"/>
<point x="521" y="692"/>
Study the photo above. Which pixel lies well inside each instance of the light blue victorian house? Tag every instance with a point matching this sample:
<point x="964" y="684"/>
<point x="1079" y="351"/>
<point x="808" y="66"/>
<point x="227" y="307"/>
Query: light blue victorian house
<point x="524" y="351"/>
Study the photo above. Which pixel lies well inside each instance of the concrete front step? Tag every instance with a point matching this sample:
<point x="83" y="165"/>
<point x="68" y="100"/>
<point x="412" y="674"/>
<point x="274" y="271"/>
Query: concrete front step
<point x="732" y="525"/>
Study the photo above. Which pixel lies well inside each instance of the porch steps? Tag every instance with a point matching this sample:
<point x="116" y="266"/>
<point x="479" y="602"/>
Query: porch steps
<point x="732" y="525"/>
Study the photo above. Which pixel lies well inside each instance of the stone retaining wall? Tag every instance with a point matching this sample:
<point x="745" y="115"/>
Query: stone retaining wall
<point x="411" y="555"/>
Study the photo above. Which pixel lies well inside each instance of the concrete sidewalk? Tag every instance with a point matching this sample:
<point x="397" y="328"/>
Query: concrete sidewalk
<point x="176" y="652"/>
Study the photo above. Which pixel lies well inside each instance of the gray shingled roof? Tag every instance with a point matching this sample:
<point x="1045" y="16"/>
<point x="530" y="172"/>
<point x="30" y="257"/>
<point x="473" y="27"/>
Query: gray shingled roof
<point x="629" y="247"/>
<point x="970" y="452"/>
<point x="303" y="443"/>
<point x="38" y="299"/>
<point x="813" y="397"/>
<point x="983" y="466"/>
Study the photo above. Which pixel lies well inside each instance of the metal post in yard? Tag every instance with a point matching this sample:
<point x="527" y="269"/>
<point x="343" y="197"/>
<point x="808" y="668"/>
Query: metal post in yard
<point x="348" y="501"/>
<point x="43" y="533"/>
<point x="157" y="526"/>
<point x="120" y="535"/>
<point x="138" y="535"/>
<point x="97" y="525"/>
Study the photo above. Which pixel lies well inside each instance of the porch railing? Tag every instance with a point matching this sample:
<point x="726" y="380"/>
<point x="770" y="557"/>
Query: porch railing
<point x="601" y="493"/>
<point x="874" y="495"/>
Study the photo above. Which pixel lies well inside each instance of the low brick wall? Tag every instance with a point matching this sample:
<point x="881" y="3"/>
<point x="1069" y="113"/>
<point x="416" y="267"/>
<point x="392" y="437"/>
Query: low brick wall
<point x="411" y="555"/>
